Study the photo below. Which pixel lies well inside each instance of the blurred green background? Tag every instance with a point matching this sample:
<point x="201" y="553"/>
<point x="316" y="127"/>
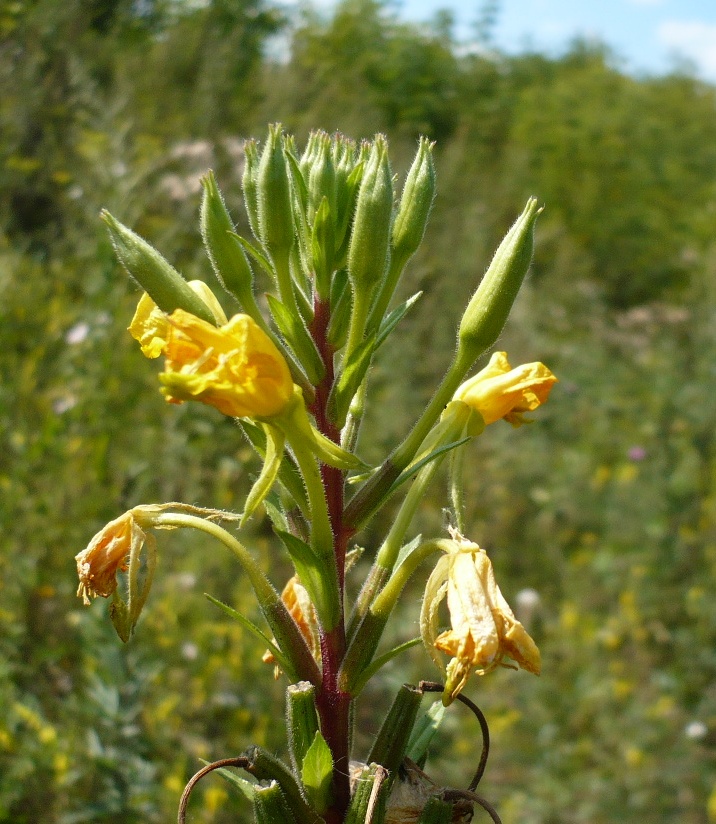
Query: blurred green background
<point x="600" y="517"/>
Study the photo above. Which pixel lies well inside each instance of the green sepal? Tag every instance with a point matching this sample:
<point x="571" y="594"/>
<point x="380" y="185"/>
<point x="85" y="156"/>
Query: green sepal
<point x="266" y="767"/>
<point x="271" y="807"/>
<point x="312" y="573"/>
<point x="391" y="742"/>
<point x="288" y="473"/>
<point x="159" y="279"/>
<point x="352" y="373"/>
<point x="300" y="188"/>
<point x="424" y="732"/>
<point x="124" y="615"/>
<point x="301" y="721"/>
<point x="369" y="796"/>
<point x="436" y="811"/>
<point x="275" y="440"/>
<point x="317" y="773"/>
<point x="346" y="197"/>
<point x="295" y="333"/>
<point x="378" y="663"/>
<point x="322" y="247"/>
<point x="281" y="659"/>
<point x="394" y="319"/>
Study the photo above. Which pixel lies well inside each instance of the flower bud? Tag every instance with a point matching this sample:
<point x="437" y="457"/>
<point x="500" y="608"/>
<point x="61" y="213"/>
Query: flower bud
<point x="490" y="305"/>
<point x="415" y="203"/>
<point x="322" y="179"/>
<point x="368" y="250"/>
<point x="225" y="253"/>
<point x="274" y="196"/>
<point x="155" y="275"/>
<point x="249" y="185"/>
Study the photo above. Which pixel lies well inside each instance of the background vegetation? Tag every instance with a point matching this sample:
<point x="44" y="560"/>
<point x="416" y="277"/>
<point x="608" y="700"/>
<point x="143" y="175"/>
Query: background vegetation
<point x="605" y="508"/>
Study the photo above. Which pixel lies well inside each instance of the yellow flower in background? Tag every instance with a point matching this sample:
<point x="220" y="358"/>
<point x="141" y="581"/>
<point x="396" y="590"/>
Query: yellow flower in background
<point x="235" y="367"/>
<point x="150" y="326"/>
<point x="106" y="555"/>
<point x="498" y="391"/>
<point x="484" y="630"/>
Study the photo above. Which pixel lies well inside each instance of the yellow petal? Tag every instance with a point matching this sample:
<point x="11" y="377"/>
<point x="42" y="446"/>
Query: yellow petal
<point x="498" y="391"/>
<point x="149" y="326"/>
<point x="235" y="367"/>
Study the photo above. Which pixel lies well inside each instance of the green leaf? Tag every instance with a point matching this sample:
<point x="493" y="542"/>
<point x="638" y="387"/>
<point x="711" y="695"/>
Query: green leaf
<point x="245" y="787"/>
<point x="351" y="377"/>
<point x="394" y="319"/>
<point x="413" y="469"/>
<point x="275" y="440"/>
<point x="378" y="663"/>
<point x="293" y="330"/>
<point x="317" y="772"/>
<point x="310" y="570"/>
<point x="424" y="731"/>
<point x="258" y="256"/>
<point x="281" y="659"/>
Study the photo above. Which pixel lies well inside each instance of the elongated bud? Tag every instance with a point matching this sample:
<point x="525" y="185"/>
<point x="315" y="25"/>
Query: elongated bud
<point x="322" y="179"/>
<point x="270" y="806"/>
<point x="159" y="279"/>
<point x="490" y="305"/>
<point x="409" y="226"/>
<point x="415" y="203"/>
<point x="301" y="720"/>
<point x="391" y="742"/>
<point x="249" y="185"/>
<point x="225" y="252"/>
<point x="309" y="154"/>
<point x="274" y="196"/>
<point x="368" y="250"/>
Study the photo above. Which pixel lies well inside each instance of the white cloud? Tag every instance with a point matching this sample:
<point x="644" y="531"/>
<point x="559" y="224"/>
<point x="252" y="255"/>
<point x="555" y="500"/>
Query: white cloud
<point x="696" y="41"/>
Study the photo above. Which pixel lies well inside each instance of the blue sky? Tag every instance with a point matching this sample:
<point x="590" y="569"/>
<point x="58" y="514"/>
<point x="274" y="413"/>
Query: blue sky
<point x="646" y="34"/>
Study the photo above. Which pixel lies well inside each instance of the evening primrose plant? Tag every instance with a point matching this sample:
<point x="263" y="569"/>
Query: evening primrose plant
<point x="293" y="371"/>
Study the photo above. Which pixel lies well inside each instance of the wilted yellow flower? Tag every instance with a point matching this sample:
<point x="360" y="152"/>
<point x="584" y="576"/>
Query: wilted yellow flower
<point x="234" y="367"/>
<point x="150" y="326"/>
<point x="498" y="391"/>
<point x="301" y="609"/>
<point x="106" y="555"/>
<point x="484" y="629"/>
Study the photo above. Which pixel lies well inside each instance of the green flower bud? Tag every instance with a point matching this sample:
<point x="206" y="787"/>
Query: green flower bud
<point x="322" y="180"/>
<point x="490" y="305"/>
<point x="415" y="203"/>
<point x="368" y="250"/>
<point x="164" y="285"/>
<point x="225" y="252"/>
<point x="309" y="153"/>
<point x="249" y="185"/>
<point x="276" y="229"/>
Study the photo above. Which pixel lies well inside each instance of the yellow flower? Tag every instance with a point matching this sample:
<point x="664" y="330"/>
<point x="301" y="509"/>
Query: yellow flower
<point x="235" y="367"/>
<point x="484" y="629"/>
<point x="498" y="391"/>
<point x="150" y="326"/>
<point x="106" y="555"/>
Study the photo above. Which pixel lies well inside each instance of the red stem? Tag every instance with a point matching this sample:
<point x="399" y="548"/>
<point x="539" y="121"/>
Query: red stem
<point x="333" y="705"/>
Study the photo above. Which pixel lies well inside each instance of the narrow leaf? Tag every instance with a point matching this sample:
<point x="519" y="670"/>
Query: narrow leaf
<point x="394" y="319"/>
<point x="413" y="469"/>
<point x="295" y="333"/>
<point x="258" y="256"/>
<point x="378" y="663"/>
